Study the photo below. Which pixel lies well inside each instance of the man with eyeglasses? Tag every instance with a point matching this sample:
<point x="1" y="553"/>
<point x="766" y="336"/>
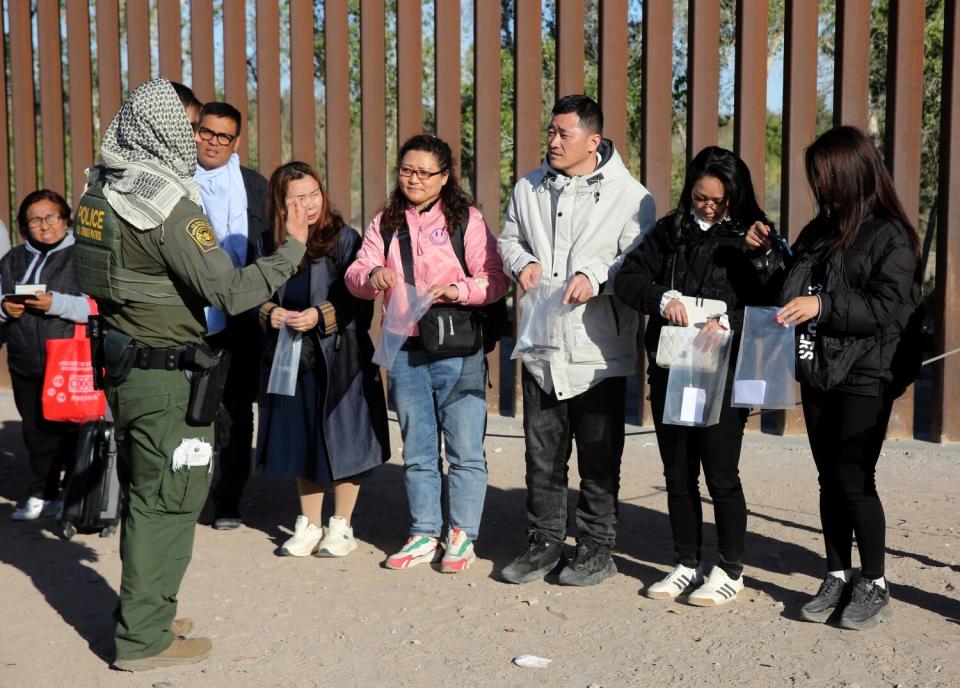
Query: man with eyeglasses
<point x="234" y="198"/>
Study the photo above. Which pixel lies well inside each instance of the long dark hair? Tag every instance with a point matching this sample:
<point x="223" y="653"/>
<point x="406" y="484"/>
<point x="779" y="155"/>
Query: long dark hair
<point x="325" y="231"/>
<point x="850" y="182"/>
<point x="455" y="201"/>
<point x="733" y="173"/>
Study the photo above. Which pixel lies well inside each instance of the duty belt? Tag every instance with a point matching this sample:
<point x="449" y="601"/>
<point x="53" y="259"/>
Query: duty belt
<point x="158" y="359"/>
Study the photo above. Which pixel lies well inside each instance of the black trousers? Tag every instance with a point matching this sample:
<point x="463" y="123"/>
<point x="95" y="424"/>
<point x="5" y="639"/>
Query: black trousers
<point x="594" y="420"/>
<point x="846" y="433"/>
<point x="51" y="446"/>
<point x="717" y="448"/>
<point x="234" y="422"/>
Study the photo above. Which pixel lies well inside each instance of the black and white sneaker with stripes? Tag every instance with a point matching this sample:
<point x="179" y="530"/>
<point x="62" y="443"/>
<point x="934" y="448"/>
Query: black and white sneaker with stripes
<point x="719" y="588"/>
<point x="682" y="578"/>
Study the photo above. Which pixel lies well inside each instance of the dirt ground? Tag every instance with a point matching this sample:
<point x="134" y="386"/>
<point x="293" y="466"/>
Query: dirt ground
<point x="348" y="622"/>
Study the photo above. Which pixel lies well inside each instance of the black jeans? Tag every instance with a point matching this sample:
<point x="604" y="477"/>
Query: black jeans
<point x="846" y="433"/>
<point x="594" y="420"/>
<point x="51" y="446"/>
<point x="234" y="422"/>
<point x="717" y="447"/>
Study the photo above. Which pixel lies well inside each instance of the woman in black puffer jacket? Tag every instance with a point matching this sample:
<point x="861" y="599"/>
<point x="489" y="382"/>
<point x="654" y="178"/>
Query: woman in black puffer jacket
<point x="45" y="257"/>
<point x="851" y="290"/>
<point x="698" y="250"/>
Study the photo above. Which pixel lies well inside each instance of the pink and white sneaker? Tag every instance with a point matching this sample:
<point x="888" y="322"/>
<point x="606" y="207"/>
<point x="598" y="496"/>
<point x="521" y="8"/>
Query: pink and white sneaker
<point x="458" y="552"/>
<point x="420" y="549"/>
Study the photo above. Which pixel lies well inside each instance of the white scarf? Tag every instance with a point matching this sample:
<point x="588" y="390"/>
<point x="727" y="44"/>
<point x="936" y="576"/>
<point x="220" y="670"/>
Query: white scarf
<point x="225" y="203"/>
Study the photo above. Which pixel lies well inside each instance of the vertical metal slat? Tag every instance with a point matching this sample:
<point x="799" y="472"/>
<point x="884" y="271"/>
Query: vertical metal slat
<point x="171" y="48"/>
<point x="303" y="109"/>
<point x="570" y="43"/>
<point x="201" y="49"/>
<point x="409" y="70"/>
<point x="235" y="66"/>
<point x="373" y="105"/>
<point x="447" y="68"/>
<point x="268" y="86"/>
<point x="337" y="85"/>
<point x="904" y="123"/>
<point x="138" y="42"/>
<point x="613" y="72"/>
<point x="51" y="95"/>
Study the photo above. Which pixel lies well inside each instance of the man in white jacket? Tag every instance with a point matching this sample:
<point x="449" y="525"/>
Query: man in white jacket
<point x="568" y="226"/>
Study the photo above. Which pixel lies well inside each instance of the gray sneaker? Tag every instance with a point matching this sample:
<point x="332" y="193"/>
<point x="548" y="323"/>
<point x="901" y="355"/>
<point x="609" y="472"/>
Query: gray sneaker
<point x="825" y="602"/>
<point x="869" y="605"/>
<point x="591" y="565"/>
<point x="539" y="558"/>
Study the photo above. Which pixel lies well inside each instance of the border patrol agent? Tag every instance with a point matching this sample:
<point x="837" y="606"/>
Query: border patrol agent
<point x="149" y="256"/>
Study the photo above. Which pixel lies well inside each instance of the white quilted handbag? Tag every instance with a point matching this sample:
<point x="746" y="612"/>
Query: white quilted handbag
<point x="675" y="346"/>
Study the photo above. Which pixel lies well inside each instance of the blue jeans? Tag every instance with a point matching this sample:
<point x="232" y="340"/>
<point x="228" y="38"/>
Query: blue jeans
<point x="432" y="397"/>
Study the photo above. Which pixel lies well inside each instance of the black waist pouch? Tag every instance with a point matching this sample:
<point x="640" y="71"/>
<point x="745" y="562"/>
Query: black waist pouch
<point x="206" y="388"/>
<point x="448" y="331"/>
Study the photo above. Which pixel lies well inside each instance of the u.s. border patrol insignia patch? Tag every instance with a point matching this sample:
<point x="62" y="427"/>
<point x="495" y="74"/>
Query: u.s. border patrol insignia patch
<point x="202" y="233"/>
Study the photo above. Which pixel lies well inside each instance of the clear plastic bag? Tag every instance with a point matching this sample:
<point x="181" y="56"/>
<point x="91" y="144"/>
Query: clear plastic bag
<point x="696" y="383"/>
<point x="286" y="363"/>
<point x="766" y="365"/>
<point x="540" y="310"/>
<point x="404" y="310"/>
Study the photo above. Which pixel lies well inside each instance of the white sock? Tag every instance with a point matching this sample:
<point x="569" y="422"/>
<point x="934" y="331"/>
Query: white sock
<point x="845" y="575"/>
<point x="881" y="582"/>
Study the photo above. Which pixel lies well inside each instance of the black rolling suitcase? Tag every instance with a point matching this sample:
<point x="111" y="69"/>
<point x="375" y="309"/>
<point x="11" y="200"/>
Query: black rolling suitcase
<point x="92" y="498"/>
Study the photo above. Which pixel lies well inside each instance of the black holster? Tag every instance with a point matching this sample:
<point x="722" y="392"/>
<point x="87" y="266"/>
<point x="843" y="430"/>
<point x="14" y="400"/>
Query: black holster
<point x="118" y="352"/>
<point x="208" y="378"/>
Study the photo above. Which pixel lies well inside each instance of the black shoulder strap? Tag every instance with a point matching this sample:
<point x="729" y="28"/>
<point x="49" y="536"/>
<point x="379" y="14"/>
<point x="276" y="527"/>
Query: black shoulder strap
<point x="457" y="240"/>
<point x="406" y="248"/>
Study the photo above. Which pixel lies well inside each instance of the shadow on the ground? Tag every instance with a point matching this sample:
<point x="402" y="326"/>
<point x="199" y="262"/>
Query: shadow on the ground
<point x="57" y="568"/>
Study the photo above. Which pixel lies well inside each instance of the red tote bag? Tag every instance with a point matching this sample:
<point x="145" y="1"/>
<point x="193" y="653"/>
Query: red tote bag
<point x="68" y="393"/>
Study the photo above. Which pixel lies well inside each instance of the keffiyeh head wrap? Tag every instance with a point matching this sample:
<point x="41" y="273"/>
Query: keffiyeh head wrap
<point x="149" y="156"/>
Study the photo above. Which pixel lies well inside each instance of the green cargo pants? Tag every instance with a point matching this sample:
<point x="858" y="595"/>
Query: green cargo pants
<point x="162" y="504"/>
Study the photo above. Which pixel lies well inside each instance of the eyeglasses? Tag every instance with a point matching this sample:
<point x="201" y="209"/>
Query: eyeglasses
<point x="210" y="135"/>
<point x="51" y="219"/>
<point x="422" y="175"/>
<point x="312" y="197"/>
<point x="704" y="201"/>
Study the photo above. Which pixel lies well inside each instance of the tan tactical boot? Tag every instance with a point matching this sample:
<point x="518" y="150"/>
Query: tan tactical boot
<point x="181" y="651"/>
<point x="182" y="627"/>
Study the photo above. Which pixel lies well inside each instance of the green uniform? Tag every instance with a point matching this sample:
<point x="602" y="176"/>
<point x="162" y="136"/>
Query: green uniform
<point x="152" y="285"/>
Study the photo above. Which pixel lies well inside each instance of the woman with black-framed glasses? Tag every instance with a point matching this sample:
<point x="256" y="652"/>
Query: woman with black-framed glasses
<point x="45" y="261"/>
<point x="437" y="383"/>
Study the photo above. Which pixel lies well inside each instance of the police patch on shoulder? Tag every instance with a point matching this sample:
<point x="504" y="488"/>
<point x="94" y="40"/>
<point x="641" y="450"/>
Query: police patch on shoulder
<point x="202" y="233"/>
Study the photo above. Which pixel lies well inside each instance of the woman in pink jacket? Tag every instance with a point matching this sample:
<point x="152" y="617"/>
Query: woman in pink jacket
<point x="438" y="381"/>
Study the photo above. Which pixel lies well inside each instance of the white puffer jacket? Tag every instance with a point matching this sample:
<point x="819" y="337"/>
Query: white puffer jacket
<point x="584" y="224"/>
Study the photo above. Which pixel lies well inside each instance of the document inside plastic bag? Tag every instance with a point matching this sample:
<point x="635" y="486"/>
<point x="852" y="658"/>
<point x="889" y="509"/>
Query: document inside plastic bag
<point x="695" y="387"/>
<point x="766" y="365"/>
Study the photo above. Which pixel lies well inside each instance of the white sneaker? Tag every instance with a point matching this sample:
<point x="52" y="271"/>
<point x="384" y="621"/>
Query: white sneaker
<point x="30" y="511"/>
<point x="338" y="540"/>
<point x="682" y="578"/>
<point x="306" y="537"/>
<point x="719" y="588"/>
